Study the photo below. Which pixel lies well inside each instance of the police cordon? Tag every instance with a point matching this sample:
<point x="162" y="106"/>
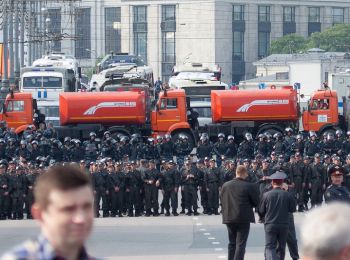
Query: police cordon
<point x="129" y="173"/>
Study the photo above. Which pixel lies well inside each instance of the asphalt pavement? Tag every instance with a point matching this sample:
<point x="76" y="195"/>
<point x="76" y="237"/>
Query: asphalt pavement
<point x="184" y="237"/>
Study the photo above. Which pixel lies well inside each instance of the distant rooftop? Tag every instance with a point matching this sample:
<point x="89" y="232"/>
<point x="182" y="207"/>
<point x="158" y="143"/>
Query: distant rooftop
<point x="311" y="55"/>
<point x="282" y="76"/>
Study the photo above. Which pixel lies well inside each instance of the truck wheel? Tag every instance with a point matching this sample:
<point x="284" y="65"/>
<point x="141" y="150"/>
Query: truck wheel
<point x="177" y="136"/>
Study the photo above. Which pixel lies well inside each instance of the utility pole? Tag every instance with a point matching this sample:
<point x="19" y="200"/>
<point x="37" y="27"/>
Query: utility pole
<point x="11" y="39"/>
<point x="16" y="45"/>
<point x="4" y="81"/>
<point x="23" y="11"/>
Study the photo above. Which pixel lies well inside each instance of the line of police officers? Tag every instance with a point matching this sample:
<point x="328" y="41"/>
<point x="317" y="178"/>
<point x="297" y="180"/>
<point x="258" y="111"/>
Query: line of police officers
<point x="128" y="172"/>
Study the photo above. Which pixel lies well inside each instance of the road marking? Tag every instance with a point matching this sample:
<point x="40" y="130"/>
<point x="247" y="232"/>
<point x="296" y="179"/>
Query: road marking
<point x="219" y="249"/>
<point x="222" y="257"/>
<point x="202" y="229"/>
<point x="206" y="234"/>
<point x="199" y="224"/>
<point x="195" y="218"/>
<point x="211" y="238"/>
<point x="215" y="243"/>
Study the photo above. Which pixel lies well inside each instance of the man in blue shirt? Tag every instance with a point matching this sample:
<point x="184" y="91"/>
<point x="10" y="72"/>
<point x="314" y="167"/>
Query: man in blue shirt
<point x="64" y="208"/>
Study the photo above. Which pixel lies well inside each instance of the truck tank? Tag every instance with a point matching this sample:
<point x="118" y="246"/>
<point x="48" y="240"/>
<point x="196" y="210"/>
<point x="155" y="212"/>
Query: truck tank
<point x="106" y="108"/>
<point x="254" y="105"/>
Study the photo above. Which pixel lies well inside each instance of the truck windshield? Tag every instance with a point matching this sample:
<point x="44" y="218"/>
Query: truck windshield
<point x="42" y="82"/>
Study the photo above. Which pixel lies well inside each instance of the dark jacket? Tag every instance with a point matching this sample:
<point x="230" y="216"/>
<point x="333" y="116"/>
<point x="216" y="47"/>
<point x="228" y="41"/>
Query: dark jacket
<point x="238" y="197"/>
<point x="276" y="205"/>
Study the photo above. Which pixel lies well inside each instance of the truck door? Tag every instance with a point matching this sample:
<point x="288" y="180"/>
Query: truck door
<point x="15" y="113"/>
<point x="168" y="113"/>
<point x="318" y="114"/>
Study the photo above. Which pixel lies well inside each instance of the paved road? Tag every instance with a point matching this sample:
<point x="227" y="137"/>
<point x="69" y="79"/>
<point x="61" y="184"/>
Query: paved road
<point x="183" y="237"/>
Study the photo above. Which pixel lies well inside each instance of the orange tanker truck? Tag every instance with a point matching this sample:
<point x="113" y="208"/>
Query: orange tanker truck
<point x="271" y="110"/>
<point x="127" y="112"/>
<point x="122" y="112"/>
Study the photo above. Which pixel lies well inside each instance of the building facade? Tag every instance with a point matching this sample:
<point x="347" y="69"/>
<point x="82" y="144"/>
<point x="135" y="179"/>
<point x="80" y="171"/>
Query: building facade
<point x="231" y="33"/>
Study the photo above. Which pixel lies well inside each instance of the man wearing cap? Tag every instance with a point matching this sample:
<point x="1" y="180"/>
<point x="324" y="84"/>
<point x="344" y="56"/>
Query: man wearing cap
<point x="169" y="183"/>
<point x="17" y="192"/>
<point x="336" y="191"/>
<point x="238" y="198"/>
<point x="275" y="207"/>
<point x="212" y="180"/>
<point x="347" y="172"/>
<point x="150" y="178"/>
<point x="4" y="192"/>
<point x="297" y="177"/>
<point x="317" y="181"/>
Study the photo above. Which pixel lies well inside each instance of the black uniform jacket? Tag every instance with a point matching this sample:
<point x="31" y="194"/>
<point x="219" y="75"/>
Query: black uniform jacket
<point x="238" y="197"/>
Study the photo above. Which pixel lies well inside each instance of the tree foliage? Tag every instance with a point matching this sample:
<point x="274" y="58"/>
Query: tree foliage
<point x="290" y="43"/>
<point x="335" y="38"/>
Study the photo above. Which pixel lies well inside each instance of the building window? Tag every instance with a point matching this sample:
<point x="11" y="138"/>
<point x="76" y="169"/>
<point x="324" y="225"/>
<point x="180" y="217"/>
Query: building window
<point x="289" y="14"/>
<point x="54" y="29"/>
<point x="238" y="45"/>
<point x="263" y="44"/>
<point x="83" y="33"/>
<point x="238" y="13"/>
<point x="264" y="13"/>
<point x="140" y="31"/>
<point x="338" y="15"/>
<point x="168" y="26"/>
<point x="314" y="15"/>
<point x="112" y="30"/>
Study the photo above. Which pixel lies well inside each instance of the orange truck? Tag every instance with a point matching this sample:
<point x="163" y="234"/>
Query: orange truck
<point x="127" y="112"/>
<point x="121" y="112"/>
<point x="272" y="110"/>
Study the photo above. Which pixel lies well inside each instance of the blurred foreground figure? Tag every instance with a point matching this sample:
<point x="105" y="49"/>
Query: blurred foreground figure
<point x="63" y="206"/>
<point x="325" y="233"/>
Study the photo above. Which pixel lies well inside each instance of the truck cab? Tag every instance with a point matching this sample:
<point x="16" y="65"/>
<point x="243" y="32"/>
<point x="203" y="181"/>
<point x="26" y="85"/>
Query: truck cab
<point x="170" y="115"/>
<point x="18" y="111"/>
<point x="322" y="111"/>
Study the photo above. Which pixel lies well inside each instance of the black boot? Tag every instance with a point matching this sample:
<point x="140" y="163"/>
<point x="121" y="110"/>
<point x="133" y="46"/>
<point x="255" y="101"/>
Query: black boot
<point x="182" y="211"/>
<point x="195" y="213"/>
<point x="175" y="213"/>
<point x="162" y="210"/>
<point x="167" y="213"/>
<point x="216" y="212"/>
<point x="148" y="213"/>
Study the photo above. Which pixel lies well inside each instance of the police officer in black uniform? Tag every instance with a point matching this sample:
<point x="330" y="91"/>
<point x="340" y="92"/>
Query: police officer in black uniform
<point x="189" y="180"/>
<point x="169" y="183"/>
<point x="4" y="191"/>
<point x="213" y="182"/>
<point x="204" y="148"/>
<point x="275" y="207"/>
<point x="220" y="148"/>
<point x="150" y="178"/>
<point x="246" y="147"/>
<point x="336" y="191"/>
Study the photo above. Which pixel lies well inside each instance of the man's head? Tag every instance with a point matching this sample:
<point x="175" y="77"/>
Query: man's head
<point x="325" y="233"/>
<point x="336" y="174"/>
<point x="241" y="172"/>
<point x="64" y="206"/>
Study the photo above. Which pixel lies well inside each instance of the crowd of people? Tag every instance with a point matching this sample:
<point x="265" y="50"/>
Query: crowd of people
<point x="129" y="173"/>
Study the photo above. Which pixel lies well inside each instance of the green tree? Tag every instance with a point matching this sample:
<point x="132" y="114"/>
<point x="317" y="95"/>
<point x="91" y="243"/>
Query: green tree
<point x="290" y="43"/>
<point x="335" y="38"/>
